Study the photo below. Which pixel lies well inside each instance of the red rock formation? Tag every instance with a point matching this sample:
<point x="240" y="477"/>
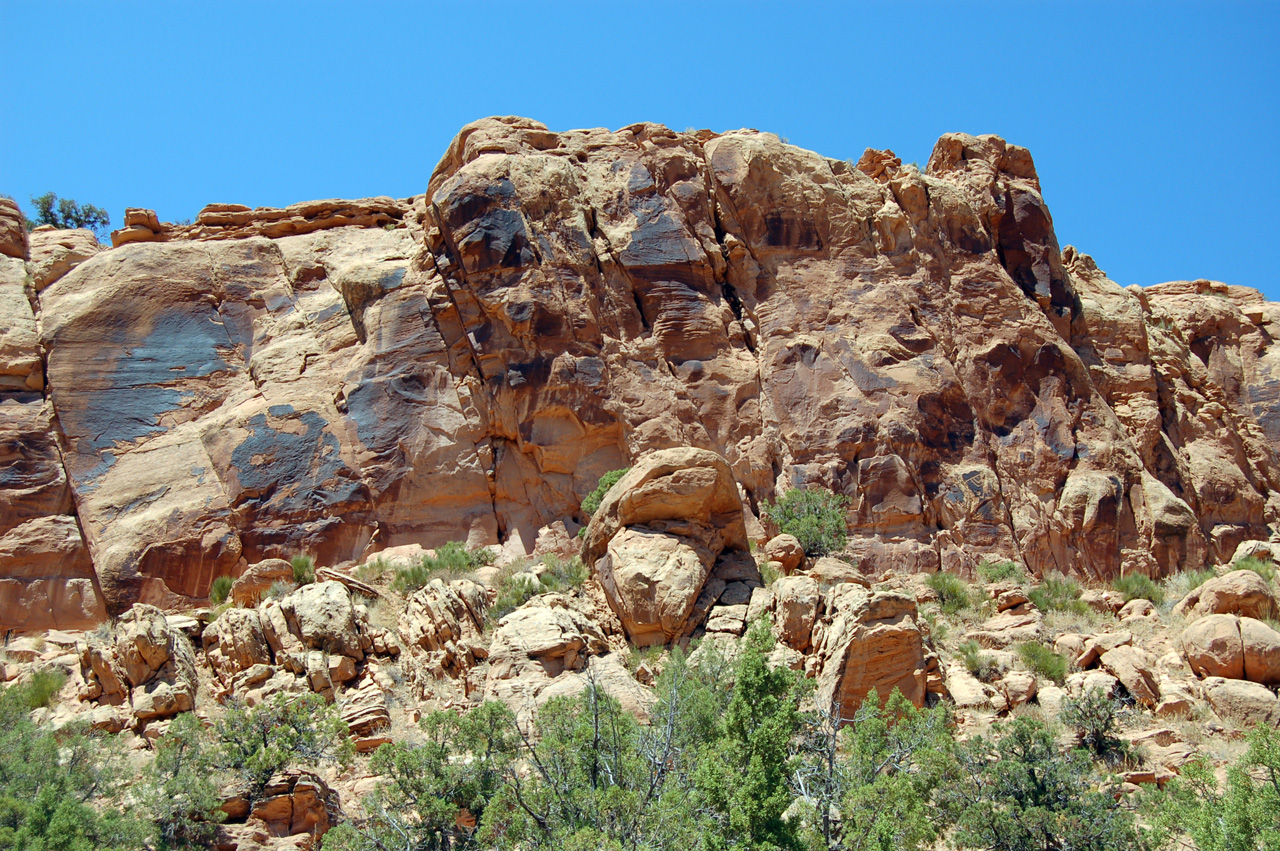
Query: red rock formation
<point x="337" y="377"/>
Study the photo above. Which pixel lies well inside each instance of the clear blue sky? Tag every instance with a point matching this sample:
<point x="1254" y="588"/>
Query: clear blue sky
<point x="1154" y="126"/>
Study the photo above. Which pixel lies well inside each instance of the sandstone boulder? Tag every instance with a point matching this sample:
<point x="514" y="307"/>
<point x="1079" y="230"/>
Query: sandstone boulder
<point x="1240" y="592"/>
<point x="867" y="640"/>
<point x="795" y="608"/>
<point x="257" y="579"/>
<point x="13" y="230"/>
<point x="54" y="253"/>
<point x="1242" y="701"/>
<point x="234" y="643"/>
<point x="786" y="550"/>
<point x="658" y="535"/>
<point x="443" y="627"/>
<point x="1131" y="667"/>
<point x="145" y="662"/>
<point x="1213" y="647"/>
<point x="1261" y="647"/>
<point x="323" y="617"/>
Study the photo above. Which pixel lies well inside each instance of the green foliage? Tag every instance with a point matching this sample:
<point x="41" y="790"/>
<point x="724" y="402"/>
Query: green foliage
<point x="1019" y="793"/>
<point x="515" y="588"/>
<point x="1058" y="593"/>
<point x="179" y="790"/>
<point x="460" y="766"/>
<point x="1263" y="568"/>
<point x="561" y="575"/>
<point x="258" y="742"/>
<point x="591" y="504"/>
<point x="952" y="591"/>
<point x="1138" y="586"/>
<point x="1241" y="815"/>
<point x="65" y="213"/>
<point x="220" y="589"/>
<point x="1095" y="719"/>
<point x="1043" y="662"/>
<point x="743" y="781"/>
<point x="980" y="664"/>
<point x="304" y="570"/>
<point x="279" y="588"/>
<point x="59" y="791"/>
<point x="998" y="571"/>
<point x="814" y="516"/>
<point x="768" y="573"/>
<point x="871" y="785"/>
<point x="450" y="561"/>
<point x="43" y="687"/>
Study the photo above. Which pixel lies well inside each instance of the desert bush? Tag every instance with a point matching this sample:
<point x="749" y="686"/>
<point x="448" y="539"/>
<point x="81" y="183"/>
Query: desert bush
<point x="43" y="687"/>
<point x="591" y="504"/>
<point x="220" y="590"/>
<point x="953" y="592"/>
<point x="178" y="788"/>
<point x="515" y="588"/>
<point x="1138" y="586"/>
<point x="304" y="570"/>
<point x="981" y="665"/>
<point x="280" y="588"/>
<point x="1242" y="814"/>
<point x="256" y="743"/>
<point x="1263" y="568"/>
<point x="1095" y="718"/>
<point x="450" y="561"/>
<point x="1043" y="662"/>
<point x="1058" y="593"/>
<point x="998" y="571"/>
<point x="1020" y="793"/>
<point x="560" y="574"/>
<point x="814" y="516"/>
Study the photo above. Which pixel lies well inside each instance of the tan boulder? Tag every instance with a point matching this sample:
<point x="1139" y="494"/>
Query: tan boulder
<point x="13" y="230"/>
<point x="443" y="628"/>
<point x="257" y="579"/>
<point x="1213" y="647"/>
<point x="54" y="253"/>
<point x="795" y="607"/>
<point x="322" y="616"/>
<point x="1101" y="600"/>
<point x="1242" y="701"/>
<point x="828" y="571"/>
<point x="1096" y="645"/>
<point x="235" y="642"/>
<point x="786" y="550"/>
<point x="146" y="662"/>
<point x="364" y="708"/>
<point x="1017" y="688"/>
<point x="1240" y="592"/>
<point x="1007" y="628"/>
<point x="1261" y="646"/>
<point x="1131" y="667"/>
<point x="967" y="691"/>
<point x="867" y="640"/>
<point x="296" y="802"/>
<point x="658" y="535"/>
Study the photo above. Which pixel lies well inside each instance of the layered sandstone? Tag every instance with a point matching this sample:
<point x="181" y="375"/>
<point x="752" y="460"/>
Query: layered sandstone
<point x="340" y="377"/>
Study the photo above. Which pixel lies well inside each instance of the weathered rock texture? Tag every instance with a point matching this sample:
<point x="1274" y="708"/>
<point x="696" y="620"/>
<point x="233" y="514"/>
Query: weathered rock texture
<point x="336" y="377"/>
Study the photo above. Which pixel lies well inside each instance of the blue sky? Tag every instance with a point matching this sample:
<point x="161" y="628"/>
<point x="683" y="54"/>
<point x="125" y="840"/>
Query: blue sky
<point x="1154" y="126"/>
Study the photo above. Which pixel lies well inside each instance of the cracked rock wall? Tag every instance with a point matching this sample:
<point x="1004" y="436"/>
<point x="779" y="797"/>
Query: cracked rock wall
<point x="338" y="377"/>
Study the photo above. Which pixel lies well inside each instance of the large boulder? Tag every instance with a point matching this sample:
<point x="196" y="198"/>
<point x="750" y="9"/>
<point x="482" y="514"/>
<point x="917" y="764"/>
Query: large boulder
<point x="1240" y="592"/>
<point x="257" y="579"/>
<point x="443" y="628"/>
<point x="868" y="640"/>
<point x="1242" y="701"/>
<point x="1234" y="648"/>
<point x="145" y="662"/>
<point x="658" y="535"/>
<point x="323" y="617"/>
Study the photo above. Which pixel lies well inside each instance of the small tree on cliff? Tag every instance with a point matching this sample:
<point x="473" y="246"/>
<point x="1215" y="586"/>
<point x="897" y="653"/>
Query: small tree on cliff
<point x="64" y="213"/>
<point x="814" y="516"/>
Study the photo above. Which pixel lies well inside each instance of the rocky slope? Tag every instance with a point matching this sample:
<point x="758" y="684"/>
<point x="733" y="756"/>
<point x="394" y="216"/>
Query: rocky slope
<point x="339" y="377"/>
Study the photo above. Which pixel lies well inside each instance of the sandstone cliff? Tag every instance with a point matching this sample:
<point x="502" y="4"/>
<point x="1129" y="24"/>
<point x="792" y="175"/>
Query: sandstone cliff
<point x="342" y="376"/>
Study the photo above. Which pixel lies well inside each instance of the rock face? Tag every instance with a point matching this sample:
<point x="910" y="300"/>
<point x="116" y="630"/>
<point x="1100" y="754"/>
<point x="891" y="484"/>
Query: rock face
<point x="146" y="664"/>
<point x="343" y="376"/>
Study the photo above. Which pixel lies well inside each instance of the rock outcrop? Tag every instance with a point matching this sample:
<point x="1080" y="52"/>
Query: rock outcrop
<point x="338" y="377"/>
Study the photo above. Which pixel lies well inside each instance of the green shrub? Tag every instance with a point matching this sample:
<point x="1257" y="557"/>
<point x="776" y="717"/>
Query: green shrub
<point x="65" y="213"/>
<point x="1042" y="661"/>
<point x="1058" y="593"/>
<point x="814" y="516"/>
<point x="561" y="575"/>
<point x="43" y="687"/>
<point x="591" y="504"/>
<point x="279" y="588"/>
<point x="451" y="560"/>
<point x="258" y="742"/>
<point x="514" y="590"/>
<point x="952" y="591"/>
<point x="1095" y="719"/>
<point x="304" y="570"/>
<point x="978" y="663"/>
<point x="220" y="590"/>
<point x="768" y="573"/>
<point x="998" y="571"/>
<point x="1265" y="569"/>
<point x="1138" y="586"/>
